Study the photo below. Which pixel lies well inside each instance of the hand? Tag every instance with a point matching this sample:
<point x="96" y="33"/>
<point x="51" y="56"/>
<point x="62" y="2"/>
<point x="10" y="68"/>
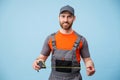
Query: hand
<point x="90" y="70"/>
<point x="35" y="65"/>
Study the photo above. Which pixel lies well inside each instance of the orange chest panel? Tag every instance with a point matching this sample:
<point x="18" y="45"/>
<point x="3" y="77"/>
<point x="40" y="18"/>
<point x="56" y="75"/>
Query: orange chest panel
<point x="66" y="42"/>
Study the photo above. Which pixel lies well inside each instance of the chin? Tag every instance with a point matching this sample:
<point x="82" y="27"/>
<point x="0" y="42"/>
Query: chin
<point x="66" y="28"/>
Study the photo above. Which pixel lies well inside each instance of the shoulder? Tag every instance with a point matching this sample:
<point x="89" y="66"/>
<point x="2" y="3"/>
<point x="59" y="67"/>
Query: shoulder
<point x="50" y="36"/>
<point x="82" y="38"/>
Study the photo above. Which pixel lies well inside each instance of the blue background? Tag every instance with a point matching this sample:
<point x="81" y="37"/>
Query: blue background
<point x="24" y="25"/>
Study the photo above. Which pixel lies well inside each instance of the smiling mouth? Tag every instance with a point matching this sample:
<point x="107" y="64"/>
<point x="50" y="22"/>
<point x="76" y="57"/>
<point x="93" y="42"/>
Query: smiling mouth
<point x="66" y="23"/>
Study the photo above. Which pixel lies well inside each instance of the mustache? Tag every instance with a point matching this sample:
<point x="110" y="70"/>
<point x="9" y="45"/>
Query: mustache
<point x="66" y="22"/>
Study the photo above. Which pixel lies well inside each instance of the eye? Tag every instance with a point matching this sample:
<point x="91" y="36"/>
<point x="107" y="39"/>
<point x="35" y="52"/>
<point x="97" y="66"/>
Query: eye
<point x="62" y="16"/>
<point x="70" y="16"/>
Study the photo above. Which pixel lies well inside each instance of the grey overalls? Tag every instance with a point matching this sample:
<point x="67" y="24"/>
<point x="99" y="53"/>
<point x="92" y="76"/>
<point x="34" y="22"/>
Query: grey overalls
<point x="64" y="63"/>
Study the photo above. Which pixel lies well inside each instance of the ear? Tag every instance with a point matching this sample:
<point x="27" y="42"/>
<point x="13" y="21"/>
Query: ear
<point x="74" y="18"/>
<point x="59" y="17"/>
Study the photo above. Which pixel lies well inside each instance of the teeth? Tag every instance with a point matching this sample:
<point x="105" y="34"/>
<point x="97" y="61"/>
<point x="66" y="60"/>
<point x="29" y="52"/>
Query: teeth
<point x="66" y="23"/>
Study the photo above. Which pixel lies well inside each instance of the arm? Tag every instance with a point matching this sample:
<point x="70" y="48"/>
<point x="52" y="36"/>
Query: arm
<point x="90" y="69"/>
<point x="44" y="54"/>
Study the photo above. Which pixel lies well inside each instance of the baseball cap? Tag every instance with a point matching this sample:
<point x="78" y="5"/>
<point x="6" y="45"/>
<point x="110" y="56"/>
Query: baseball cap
<point x="67" y="8"/>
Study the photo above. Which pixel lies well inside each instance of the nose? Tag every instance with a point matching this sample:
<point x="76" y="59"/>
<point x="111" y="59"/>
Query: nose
<point x="65" y="19"/>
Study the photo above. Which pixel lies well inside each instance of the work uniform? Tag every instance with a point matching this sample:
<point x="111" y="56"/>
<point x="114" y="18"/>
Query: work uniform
<point x="66" y="51"/>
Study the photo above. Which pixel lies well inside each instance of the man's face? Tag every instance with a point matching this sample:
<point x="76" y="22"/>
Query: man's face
<point x="66" y="20"/>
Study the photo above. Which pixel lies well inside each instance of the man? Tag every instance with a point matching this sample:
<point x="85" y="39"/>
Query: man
<point x="67" y="47"/>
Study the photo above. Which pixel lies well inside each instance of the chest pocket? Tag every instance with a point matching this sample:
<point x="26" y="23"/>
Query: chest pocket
<point x="62" y="60"/>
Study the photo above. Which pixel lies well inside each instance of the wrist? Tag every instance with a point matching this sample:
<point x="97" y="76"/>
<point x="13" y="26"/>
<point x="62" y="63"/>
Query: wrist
<point x="39" y="59"/>
<point x="89" y="63"/>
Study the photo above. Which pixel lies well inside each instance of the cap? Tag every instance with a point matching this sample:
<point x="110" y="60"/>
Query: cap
<point x="67" y="8"/>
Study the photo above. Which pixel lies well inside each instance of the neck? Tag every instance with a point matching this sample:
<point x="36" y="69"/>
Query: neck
<point x="66" y="31"/>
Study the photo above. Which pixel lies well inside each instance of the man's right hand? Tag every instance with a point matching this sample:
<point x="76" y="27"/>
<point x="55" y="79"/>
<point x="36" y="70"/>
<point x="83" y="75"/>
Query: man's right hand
<point x="35" y="65"/>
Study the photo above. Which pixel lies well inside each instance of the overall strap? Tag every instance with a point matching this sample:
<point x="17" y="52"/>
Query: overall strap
<point x="53" y="41"/>
<point x="75" y="46"/>
<point x="77" y="42"/>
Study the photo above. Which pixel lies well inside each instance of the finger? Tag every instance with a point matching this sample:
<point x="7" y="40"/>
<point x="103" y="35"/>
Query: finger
<point x="36" y="64"/>
<point x="90" y="68"/>
<point x="37" y="68"/>
<point x="90" y="72"/>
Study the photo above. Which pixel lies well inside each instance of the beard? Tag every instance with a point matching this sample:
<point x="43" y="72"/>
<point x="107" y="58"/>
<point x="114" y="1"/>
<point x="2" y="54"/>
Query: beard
<point x="66" y="25"/>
